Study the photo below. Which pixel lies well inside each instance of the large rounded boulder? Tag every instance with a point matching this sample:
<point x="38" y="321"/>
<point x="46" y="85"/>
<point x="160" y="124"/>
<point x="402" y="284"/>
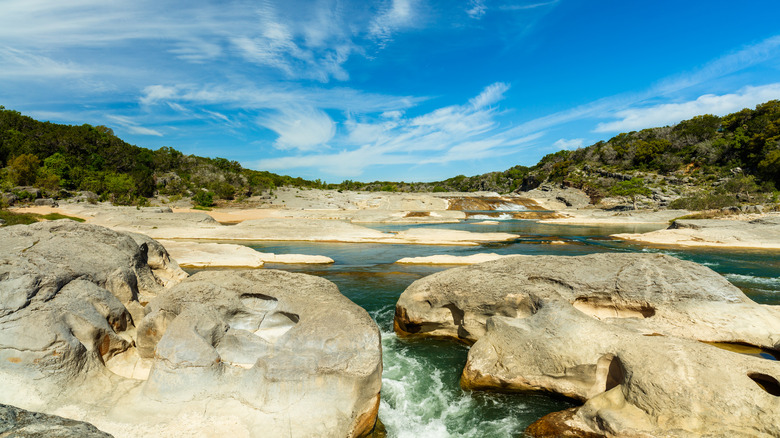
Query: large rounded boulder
<point x="634" y="337"/>
<point x="102" y="326"/>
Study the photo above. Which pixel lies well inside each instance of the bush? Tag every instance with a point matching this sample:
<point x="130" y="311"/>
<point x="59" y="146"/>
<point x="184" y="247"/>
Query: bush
<point x="203" y="198"/>
<point x="632" y="188"/>
<point x="705" y="201"/>
<point x="24" y="169"/>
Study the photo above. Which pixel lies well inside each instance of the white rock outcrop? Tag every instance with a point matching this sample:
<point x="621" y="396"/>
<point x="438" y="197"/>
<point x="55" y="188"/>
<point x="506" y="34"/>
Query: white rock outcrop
<point x="101" y="326"/>
<point x="622" y="333"/>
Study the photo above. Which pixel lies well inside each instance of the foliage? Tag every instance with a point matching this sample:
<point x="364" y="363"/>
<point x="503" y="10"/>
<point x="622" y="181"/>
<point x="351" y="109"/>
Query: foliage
<point x="57" y="216"/>
<point x="23" y="169"/>
<point x="704" y="201"/>
<point x="744" y="185"/>
<point x="203" y="199"/>
<point x="54" y="156"/>
<point x="632" y="188"/>
<point x="13" y="218"/>
<point x="703" y="149"/>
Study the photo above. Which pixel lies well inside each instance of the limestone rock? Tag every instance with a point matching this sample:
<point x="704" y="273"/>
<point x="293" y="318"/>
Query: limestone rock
<point x="195" y="226"/>
<point x="203" y="255"/>
<point x="32" y="192"/>
<point x="46" y="202"/>
<point x="238" y="353"/>
<point x="446" y="259"/>
<point x="762" y="232"/>
<point x="19" y="423"/>
<point x="619" y="332"/>
<point x="8" y="198"/>
<point x="554" y="197"/>
<point x="282" y="343"/>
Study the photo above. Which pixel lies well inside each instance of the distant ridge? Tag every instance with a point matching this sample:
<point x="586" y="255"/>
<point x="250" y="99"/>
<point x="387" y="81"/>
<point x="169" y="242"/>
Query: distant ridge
<point x="730" y="158"/>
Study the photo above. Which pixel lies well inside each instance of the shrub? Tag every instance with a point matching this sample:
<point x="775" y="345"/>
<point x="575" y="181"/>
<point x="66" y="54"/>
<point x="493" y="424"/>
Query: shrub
<point x="704" y="201"/>
<point x="203" y="198"/>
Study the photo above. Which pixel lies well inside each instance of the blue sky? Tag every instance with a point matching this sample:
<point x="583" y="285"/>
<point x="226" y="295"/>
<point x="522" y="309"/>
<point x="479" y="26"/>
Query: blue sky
<point x="412" y="90"/>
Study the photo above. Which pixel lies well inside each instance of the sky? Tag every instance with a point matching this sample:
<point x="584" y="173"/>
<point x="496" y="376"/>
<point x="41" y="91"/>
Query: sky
<point x="400" y="90"/>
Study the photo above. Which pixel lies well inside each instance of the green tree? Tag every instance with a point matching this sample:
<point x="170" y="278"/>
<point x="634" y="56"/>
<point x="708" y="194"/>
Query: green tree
<point x="121" y="187"/>
<point x="24" y="169"/>
<point x="203" y="198"/>
<point x="743" y="185"/>
<point x="769" y="167"/>
<point x="632" y="188"/>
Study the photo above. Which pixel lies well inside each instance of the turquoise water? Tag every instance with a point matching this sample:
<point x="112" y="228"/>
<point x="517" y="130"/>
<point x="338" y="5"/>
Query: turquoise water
<point x="420" y="391"/>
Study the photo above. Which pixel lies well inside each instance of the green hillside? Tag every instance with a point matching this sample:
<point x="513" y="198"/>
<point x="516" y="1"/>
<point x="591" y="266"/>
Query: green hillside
<point x="62" y="158"/>
<point x="708" y="161"/>
<point x="704" y="162"/>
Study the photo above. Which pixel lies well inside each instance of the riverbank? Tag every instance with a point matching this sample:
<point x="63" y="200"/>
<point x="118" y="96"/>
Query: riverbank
<point x="332" y="216"/>
<point x="748" y="231"/>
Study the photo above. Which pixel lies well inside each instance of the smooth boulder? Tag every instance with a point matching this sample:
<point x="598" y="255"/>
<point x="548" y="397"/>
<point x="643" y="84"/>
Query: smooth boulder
<point x="102" y="326"/>
<point x="621" y="333"/>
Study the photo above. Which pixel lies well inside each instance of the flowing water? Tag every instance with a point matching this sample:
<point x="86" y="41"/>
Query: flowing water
<point x="421" y="396"/>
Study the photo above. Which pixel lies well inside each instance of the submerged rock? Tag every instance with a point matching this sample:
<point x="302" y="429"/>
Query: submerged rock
<point x="242" y="353"/>
<point x="619" y="332"/>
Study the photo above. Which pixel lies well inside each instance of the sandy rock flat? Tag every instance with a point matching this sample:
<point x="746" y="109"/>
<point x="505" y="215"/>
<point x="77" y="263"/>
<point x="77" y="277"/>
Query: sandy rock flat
<point x="211" y="255"/>
<point x="201" y="226"/>
<point x="602" y="217"/>
<point x="444" y="259"/>
<point x="761" y="232"/>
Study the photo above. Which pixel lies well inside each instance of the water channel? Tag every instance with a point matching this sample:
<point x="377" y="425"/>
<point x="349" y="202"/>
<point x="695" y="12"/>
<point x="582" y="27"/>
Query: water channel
<point x="421" y="396"/>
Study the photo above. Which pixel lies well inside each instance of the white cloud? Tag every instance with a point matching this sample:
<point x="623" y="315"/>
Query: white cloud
<point x="278" y="96"/>
<point x="527" y="6"/>
<point x="398" y="14"/>
<point x="573" y="143"/>
<point x="609" y="107"/>
<point x="132" y="126"/>
<point x="21" y="64"/>
<point x="669" y="113"/>
<point x="302" y="128"/>
<point x="156" y="93"/>
<point x="729" y="63"/>
<point x="476" y="9"/>
<point x="491" y="94"/>
<point x="447" y="134"/>
<point x="143" y="131"/>
<point x="197" y="50"/>
<point x="392" y="114"/>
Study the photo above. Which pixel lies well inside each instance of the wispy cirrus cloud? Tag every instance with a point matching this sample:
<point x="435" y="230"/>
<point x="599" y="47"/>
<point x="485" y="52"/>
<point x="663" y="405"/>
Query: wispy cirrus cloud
<point x="22" y="64"/>
<point x="302" y="128"/>
<point x="395" y="15"/>
<point x="526" y="6"/>
<point x="133" y="126"/>
<point x="490" y="95"/>
<point x="628" y="108"/>
<point x="670" y="113"/>
<point x="569" y="144"/>
<point x="476" y="9"/>
<point x="451" y="133"/>
<point x="257" y="97"/>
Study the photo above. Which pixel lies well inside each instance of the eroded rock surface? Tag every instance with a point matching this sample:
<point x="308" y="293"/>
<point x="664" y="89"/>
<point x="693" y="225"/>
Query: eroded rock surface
<point x="19" y="423"/>
<point x="762" y="232"/>
<point x="619" y="332"/>
<point x="102" y="326"/>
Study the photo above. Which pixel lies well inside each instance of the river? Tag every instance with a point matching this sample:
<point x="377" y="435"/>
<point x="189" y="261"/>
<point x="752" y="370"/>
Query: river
<point x="421" y="396"/>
